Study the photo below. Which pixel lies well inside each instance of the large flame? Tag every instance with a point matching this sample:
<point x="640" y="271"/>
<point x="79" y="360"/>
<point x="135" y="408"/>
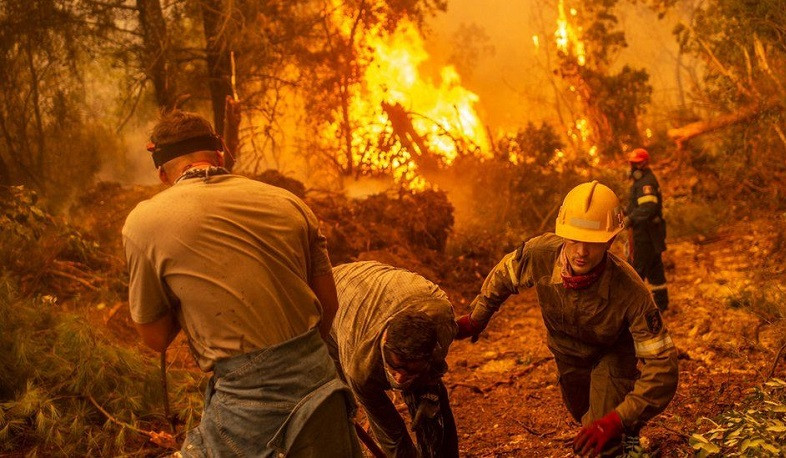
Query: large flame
<point x="442" y="113"/>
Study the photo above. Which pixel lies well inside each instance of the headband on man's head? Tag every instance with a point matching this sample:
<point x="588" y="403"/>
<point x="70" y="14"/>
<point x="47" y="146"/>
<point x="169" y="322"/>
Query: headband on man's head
<point x="165" y="153"/>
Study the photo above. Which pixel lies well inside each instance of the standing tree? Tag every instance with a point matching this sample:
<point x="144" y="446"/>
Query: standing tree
<point x="606" y="104"/>
<point x="47" y="141"/>
<point x="744" y="91"/>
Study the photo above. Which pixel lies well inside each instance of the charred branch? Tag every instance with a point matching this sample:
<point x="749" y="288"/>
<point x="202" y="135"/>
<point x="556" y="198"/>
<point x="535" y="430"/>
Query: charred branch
<point x="682" y="134"/>
<point x="409" y="138"/>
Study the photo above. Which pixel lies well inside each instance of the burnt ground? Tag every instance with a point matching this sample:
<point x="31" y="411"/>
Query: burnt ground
<point x="503" y="388"/>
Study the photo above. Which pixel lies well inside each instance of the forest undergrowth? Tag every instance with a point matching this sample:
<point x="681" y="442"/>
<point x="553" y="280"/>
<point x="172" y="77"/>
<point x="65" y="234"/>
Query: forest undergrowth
<point x="80" y="384"/>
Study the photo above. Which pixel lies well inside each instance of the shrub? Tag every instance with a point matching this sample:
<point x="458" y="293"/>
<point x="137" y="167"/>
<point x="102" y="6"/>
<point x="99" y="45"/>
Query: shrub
<point x="756" y="428"/>
<point x="43" y="252"/>
<point x="54" y="363"/>
<point x="421" y="220"/>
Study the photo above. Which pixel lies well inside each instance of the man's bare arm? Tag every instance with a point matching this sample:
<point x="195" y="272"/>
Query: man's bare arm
<point x="160" y="333"/>
<point x="325" y="289"/>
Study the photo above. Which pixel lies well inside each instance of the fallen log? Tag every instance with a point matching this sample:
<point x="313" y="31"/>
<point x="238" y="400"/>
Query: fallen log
<point x="682" y="134"/>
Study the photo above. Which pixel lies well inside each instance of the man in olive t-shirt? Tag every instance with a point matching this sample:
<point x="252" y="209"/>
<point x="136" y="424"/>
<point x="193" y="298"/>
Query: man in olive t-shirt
<point x="242" y="268"/>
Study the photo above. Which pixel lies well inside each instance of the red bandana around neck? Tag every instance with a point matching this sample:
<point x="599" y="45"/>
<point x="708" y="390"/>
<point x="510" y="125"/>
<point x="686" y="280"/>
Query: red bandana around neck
<point x="571" y="281"/>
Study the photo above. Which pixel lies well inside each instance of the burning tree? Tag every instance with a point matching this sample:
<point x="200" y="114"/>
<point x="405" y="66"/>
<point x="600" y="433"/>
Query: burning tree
<point x="603" y="106"/>
<point x="374" y="113"/>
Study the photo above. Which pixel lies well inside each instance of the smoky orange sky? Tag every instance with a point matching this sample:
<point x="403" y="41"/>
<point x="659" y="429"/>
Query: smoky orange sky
<point x="511" y="76"/>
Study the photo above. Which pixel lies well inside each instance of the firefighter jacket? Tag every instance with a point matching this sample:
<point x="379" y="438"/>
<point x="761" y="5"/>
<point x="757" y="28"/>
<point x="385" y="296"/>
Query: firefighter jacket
<point x="370" y="294"/>
<point x="616" y="313"/>
<point x="645" y="210"/>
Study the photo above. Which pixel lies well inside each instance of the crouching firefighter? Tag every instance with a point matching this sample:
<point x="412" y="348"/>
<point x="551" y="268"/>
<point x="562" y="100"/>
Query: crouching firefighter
<point x="242" y="268"/>
<point x="645" y="217"/>
<point x="600" y="321"/>
<point x="392" y="332"/>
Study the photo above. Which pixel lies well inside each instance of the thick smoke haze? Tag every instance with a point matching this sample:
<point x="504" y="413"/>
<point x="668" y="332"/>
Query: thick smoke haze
<point x="491" y="43"/>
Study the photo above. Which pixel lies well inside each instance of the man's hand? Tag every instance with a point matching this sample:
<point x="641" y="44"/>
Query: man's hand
<point x="324" y="288"/>
<point x="591" y="439"/>
<point x="467" y="327"/>
<point x="160" y="333"/>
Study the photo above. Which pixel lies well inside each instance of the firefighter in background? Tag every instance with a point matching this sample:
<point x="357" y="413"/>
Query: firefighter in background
<point x="645" y="217"/>
<point x="600" y="321"/>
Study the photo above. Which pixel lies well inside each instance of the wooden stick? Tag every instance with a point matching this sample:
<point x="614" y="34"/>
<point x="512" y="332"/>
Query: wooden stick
<point x="368" y="441"/>
<point x="474" y="388"/>
<point x="233" y="77"/>
<point x="116" y="421"/>
<point x="775" y="361"/>
<point x="162" y="439"/>
<point x="74" y="278"/>
<point x="167" y="413"/>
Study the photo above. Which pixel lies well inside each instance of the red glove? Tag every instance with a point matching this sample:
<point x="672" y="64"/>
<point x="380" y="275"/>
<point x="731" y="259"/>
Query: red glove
<point x="591" y="439"/>
<point x="467" y="327"/>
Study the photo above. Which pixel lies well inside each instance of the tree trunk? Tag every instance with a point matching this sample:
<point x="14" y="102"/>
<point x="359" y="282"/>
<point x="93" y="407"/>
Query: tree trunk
<point x="5" y="174"/>
<point x="156" y="63"/>
<point x="219" y="67"/>
<point x="694" y="129"/>
<point x="37" y="165"/>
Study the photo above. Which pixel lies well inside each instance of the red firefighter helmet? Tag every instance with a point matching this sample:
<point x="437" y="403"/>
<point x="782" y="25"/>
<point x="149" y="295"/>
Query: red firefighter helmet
<point x="638" y="155"/>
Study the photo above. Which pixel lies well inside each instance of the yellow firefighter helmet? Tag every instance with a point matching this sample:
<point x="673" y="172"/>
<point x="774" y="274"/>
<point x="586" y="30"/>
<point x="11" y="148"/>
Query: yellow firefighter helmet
<point x="590" y="213"/>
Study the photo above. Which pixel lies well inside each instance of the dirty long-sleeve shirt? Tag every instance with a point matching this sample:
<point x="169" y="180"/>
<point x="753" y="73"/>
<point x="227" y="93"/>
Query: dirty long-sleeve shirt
<point x="584" y="324"/>
<point x="370" y="294"/>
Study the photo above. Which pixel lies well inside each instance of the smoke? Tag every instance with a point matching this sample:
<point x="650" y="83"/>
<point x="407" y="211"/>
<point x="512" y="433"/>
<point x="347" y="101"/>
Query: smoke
<point x="131" y="163"/>
<point x="365" y="186"/>
<point x="513" y="82"/>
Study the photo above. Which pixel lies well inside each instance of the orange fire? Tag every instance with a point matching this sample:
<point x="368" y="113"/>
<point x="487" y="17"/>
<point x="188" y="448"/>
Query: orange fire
<point x="441" y="112"/>
<point x="567" y="36"/>
<point x="568" y="40"/>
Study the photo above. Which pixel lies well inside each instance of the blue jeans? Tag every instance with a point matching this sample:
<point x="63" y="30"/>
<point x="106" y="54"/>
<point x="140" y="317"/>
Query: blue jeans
<point x="285" y="400"/>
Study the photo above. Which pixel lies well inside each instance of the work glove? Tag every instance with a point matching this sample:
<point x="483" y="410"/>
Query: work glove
<point x="591" y="439"/>
<point x="467" y="327"/>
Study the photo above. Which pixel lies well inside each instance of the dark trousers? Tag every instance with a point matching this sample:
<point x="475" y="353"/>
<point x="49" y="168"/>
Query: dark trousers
<point x="649" y="265"/>
<point x="590" y="392"/>
<point x="432" y="421"/>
